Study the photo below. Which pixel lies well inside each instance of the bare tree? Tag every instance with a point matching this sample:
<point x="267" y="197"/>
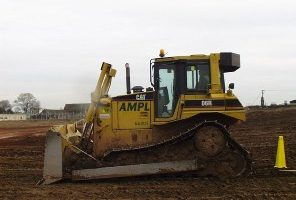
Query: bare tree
<point x="5" y="106"/>
<point x="27" y="103"/>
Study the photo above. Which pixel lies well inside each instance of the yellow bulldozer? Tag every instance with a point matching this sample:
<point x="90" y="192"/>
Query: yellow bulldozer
<point x="179" y="125"/>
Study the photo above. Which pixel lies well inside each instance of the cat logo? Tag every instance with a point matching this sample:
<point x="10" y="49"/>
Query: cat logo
<point x="141" y="97"/>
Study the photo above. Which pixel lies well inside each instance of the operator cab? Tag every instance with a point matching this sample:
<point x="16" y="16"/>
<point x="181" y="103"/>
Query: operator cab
<point x="199" y="75"/>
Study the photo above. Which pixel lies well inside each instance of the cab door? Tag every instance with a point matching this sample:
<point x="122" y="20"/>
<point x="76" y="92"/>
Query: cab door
<point x="166" y="97"/>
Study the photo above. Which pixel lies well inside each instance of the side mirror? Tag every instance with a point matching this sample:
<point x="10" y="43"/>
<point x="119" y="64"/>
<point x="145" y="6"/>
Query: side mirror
<point x="231" y="86"/>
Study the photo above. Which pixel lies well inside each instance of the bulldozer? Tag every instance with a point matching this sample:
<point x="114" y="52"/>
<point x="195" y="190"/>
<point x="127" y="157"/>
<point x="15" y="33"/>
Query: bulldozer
<point x="180" y="125"/>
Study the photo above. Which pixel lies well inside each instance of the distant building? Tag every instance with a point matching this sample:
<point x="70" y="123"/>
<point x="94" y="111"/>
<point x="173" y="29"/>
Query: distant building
<point x="71" y="111"/>
<point x="293" y="102"/>
<point x="77" y="108"/>
<point x="8" y="117"/>
<point x="52" y="114"/>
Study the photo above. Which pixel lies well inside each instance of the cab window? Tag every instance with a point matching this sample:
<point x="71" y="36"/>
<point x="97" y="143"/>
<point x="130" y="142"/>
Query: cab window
<point x="197" y="76"/>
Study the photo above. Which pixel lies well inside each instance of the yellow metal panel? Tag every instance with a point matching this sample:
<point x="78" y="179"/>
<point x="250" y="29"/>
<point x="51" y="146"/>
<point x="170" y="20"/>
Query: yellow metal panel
<point x="217" y="96"/>
<point x="215" y="74"/>
<point x="134" y="114"/>
<point x="107" y="139"/>
<point x="114" y="115"/>
<point x="152" y="111"/>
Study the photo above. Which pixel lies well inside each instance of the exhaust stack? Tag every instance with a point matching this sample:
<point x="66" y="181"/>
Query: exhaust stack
<point x="128" y="79"/>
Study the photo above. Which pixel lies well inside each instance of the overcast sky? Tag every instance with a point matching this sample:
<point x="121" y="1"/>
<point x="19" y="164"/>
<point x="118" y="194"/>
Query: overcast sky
<point x="54" y="48"/>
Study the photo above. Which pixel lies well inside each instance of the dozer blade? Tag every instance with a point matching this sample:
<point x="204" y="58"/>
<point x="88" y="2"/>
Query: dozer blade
<point x="53" y="158"/>
<point x="136" y="170"/>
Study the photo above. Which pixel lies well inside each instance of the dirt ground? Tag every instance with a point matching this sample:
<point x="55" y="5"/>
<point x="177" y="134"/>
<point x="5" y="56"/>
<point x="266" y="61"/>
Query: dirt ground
<point x="21" y="163"/>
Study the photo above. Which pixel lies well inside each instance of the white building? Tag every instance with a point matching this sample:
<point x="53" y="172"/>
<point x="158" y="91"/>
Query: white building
<point x="8" y="117"/>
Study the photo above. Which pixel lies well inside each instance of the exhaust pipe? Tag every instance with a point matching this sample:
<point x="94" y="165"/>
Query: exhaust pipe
<point x="128" y="78"/>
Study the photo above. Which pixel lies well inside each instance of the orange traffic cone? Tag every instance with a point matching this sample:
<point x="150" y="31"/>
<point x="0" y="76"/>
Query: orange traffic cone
<point x="280" y="154"/>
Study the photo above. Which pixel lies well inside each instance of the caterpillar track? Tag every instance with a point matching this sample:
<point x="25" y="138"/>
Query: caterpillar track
<point x="209" y="143"/>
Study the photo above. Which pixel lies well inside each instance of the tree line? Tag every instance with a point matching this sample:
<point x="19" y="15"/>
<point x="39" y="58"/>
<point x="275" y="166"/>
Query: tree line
<point x="25" y="103"/>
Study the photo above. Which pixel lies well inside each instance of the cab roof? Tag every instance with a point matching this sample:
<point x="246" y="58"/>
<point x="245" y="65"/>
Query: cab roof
<point x="229" y="62"/>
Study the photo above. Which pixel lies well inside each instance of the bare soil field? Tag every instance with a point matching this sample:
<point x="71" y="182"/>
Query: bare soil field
<point x="21" y="163"/>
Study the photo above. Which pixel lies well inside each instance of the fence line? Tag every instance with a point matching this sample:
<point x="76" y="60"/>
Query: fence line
<point x="63" y="115"/>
